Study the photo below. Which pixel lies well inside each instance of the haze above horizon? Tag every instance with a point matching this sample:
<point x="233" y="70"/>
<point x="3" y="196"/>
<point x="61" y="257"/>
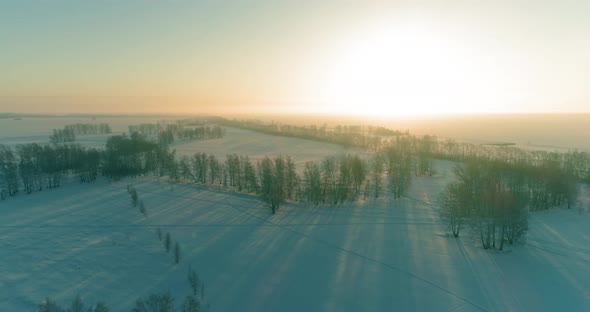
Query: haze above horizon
<point x="369" y="58"/>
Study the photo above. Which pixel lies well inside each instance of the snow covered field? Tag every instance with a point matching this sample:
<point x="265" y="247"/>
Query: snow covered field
<point x="256" y="145"/>
<point x="376" y="255"/>
<point x="38" y="130"/>
<point x="242" y="142"/>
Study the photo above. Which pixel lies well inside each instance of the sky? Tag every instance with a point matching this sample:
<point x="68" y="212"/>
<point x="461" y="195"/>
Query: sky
<point x="341" y="57"/>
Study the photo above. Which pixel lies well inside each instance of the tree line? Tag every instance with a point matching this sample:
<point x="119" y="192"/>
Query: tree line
<point x="552" y="177"/>
<point x="333" y="180"/>
<point x="135" y="155"/>
<point x="575" y="164"/>
<point x="166" y="133"/>
<point x="69" y="132"/>
<point x="33" y="167"/>
<point x="349" y="136"/>
<point x="195" y="301"/>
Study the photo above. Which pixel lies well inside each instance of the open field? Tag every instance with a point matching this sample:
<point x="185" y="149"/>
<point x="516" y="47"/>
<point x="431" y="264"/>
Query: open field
<point x="242" y="142"/>
<point x="553" y="132"/>
<point x="371" y="255"/>
<point x="375" y="255"/>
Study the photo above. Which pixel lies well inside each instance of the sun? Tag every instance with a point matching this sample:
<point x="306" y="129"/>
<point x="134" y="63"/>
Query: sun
<point x="400" y="70"/>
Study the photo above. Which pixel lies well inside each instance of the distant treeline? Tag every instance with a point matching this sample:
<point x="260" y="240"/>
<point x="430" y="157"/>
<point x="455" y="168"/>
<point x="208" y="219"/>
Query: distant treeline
<point x="350" y="136"/>
<point x="550" y="178"/>
<point x="182" y="129"/>
<point x="90" y="129"/>
<point x="574" y="163"/>
<point x="69" y="132"/>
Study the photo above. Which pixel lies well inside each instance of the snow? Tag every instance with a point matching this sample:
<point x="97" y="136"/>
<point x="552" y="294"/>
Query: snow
<point x="38" y="129"/>
<point x="256" y="146"/>
<point x="374" y="255"/>
<point x="242" y="142"/>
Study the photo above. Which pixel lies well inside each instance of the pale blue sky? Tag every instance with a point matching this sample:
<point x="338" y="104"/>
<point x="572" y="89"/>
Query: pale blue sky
<point x="194" y="55"/>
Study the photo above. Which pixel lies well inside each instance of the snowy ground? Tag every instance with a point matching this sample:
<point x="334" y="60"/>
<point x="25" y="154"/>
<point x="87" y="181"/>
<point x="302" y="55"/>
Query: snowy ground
<point x="38" y="130"/>
<point x="256" y="145"/>
<point x="376" y="255"/>
<point x="242" y="142"/>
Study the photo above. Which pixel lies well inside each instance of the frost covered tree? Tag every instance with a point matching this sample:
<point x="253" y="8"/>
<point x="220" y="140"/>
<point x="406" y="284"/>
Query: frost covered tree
<point x="376" y="174"/>
<point x="454" y="207"/>
<point x="268" y="185"/>
<point x="329" y="178"/>
<point x="214" y="169"/>
<point x="399" y="167"/>
<point x="291" y="178"/>
<point x="8" y="172"/>
<point x="313" y="182"/>
<point x="491" y="198"/>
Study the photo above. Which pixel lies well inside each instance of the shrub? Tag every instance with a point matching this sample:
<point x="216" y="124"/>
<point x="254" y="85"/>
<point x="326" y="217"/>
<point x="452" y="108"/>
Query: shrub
<point x="167" y="242"/>
<point x="176" y="252"/>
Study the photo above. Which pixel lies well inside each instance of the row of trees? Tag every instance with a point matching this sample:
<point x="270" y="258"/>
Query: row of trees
<point x="348" y="136"/>
<point x="89" y="128"/>
<point x="135" y="155"/>
<point x="62" y="136"/>
<point x="77" y="305"/>
<point x="549" y="167"/>
<point x="274" y="179"/>
<point x="194" y="302"/>
<point x="164" y="302"/>
<point x="166" y="133"/>
<point x="69" y="132"/>
<point x="573" y="163"/>
<point x="32" y="167"/>
<point x="332" y="180"/>
<point x="335" y="179"/>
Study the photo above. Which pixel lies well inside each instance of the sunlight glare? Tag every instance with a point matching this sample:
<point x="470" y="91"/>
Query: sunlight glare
<point x="402" y="70"/>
